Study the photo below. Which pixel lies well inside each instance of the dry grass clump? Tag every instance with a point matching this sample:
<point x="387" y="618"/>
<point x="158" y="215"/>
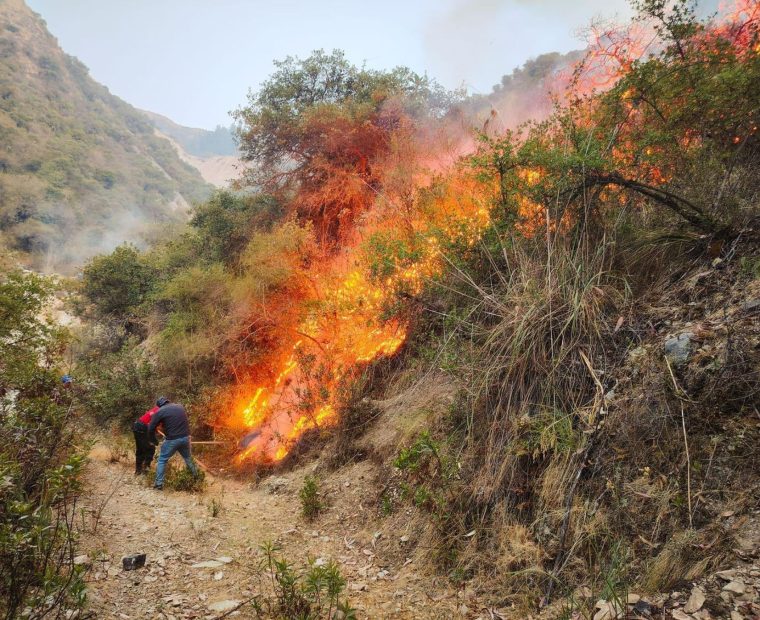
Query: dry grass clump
<point x="121" y="446"/>
<point x="518" y="565"/>
<point x="541" y="328"/>
<point x="517" y="549"/>
<point x="556" y="478"/>
<point x="356" y="414"/>
<point x="687" y="556"/>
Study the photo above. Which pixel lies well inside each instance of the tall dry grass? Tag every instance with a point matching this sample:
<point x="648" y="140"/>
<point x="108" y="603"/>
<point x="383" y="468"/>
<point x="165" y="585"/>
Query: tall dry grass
<point x="532" y="343"/>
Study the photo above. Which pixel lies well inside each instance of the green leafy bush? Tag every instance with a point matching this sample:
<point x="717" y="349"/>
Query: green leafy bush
<point x="311" y="502"/>
<point x="313" y="594"/>
<point x="119" y="386"/>
<point x="39" y="467"/>
<point x="117" y="283"/>
<point x="179" y="478"/>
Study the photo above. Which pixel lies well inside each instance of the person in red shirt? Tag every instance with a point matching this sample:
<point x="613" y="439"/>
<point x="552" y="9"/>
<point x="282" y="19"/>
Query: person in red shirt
<point x="145" y="449"/>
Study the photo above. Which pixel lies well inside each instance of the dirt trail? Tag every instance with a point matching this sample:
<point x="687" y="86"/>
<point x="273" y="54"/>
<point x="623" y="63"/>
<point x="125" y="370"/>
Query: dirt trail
<point x="178" y="531"/>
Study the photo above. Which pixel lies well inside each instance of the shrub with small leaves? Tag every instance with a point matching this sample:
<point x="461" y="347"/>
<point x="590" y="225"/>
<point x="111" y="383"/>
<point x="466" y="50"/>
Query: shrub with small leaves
<point x="215" y="507"/>
<point x="40" y="469"/>
<point x="311" y="503"/>
<point x="181" y="479"/>
<point x="310" y="594"/>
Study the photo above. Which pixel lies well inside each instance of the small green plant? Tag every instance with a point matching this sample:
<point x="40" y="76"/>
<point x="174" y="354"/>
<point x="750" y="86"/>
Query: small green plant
<point x="428" y="473"/>
<point x="411" y="458"/>
<point x="431" y="479"/>
<point x="750" y="266"/>
<point x="311" y="503"/>
<point x="215" y="507"/>
<point x="183" y="480"/>
<point x="180" y="479"/>
<point x="312" y="594"/>
<point x="421" y="496"/>
<point x="386" y="505"/>
<point x="550" y="431"/>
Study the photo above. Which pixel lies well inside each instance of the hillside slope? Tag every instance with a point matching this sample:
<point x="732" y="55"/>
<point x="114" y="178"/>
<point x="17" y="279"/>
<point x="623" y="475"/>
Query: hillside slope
<point x="218" y="170"/>
<point x="195" y="141"/>
<point x="80" y="169"/>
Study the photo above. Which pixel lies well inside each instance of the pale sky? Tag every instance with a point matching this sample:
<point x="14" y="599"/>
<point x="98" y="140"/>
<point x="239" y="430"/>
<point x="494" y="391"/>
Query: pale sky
<point x="194" y="60"/>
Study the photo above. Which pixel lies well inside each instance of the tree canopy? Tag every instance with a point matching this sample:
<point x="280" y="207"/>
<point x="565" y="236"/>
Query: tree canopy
<point x="317" y="130"/>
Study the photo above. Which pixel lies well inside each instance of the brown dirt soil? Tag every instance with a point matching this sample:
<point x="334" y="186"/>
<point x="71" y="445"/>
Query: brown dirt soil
<point x="177" y="530"/>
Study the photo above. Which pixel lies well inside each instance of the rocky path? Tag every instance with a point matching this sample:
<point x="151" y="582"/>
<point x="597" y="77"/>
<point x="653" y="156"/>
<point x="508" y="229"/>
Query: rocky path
<point x="200" y="565"/>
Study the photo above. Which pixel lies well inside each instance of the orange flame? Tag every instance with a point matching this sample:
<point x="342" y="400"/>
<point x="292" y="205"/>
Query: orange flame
<point x="344" y="324"/>
<point x="346" y="328"/>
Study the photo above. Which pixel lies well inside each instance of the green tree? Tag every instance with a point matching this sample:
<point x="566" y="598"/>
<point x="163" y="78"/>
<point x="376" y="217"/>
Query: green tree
<point x="226" y="221"/>
<point x="39" y="469"/>
<point x="271" y="131"/>
<point x="117" y="283"/>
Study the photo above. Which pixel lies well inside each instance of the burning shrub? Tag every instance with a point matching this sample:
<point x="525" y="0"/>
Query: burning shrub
<point x="674" y="136"/>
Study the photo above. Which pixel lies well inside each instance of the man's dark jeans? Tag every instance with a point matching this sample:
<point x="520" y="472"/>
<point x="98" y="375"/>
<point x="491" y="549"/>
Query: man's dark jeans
<point x="168" y="448"/>
<point x="144" y="451"/>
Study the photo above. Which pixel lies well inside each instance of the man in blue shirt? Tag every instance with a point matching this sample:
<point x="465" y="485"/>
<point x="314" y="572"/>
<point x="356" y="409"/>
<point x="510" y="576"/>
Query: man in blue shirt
<point x="177" y="430"/>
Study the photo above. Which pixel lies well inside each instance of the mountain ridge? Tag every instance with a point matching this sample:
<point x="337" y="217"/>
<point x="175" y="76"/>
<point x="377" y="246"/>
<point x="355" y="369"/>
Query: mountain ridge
<point x="81" y="170"/>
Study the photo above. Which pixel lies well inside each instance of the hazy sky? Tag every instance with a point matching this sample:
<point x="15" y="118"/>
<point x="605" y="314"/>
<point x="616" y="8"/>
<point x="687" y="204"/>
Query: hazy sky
<point x="194" y="60"/>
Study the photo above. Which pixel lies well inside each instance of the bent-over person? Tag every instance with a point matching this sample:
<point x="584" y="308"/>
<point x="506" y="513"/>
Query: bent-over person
<point x="176" y="427"/>
<point x="145" y="448"/>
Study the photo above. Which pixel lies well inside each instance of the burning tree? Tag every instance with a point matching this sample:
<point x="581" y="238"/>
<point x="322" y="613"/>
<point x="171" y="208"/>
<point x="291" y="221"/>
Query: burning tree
<point x="317" y="131"/>
<point x="675" y="124"/>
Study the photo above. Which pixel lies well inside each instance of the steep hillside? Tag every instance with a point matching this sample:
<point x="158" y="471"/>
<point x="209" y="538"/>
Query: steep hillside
<point x="80" y="169"/>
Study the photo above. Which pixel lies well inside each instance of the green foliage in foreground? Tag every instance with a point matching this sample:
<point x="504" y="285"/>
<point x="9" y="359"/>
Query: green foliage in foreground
<point x="314" y="594"/>
<point x="39" y="468"/>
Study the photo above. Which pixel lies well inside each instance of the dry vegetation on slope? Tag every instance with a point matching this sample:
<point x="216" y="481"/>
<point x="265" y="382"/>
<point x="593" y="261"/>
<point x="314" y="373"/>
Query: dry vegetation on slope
<point x="80" y="170"/>
<point x="545" y="354"/>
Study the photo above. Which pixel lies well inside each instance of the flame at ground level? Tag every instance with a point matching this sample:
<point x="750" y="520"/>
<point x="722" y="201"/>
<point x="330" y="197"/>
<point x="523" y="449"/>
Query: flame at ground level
<point x="345" y="322"/>
<point x="347" y="326"/>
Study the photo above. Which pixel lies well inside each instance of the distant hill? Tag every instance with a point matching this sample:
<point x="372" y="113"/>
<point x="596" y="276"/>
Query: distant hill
<point x="213" y="153"/>
<point x="197" y="142"/>
<point x="80" y="170"/>
<point x="218" y="170"/>
<point x="522" y="94"/>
